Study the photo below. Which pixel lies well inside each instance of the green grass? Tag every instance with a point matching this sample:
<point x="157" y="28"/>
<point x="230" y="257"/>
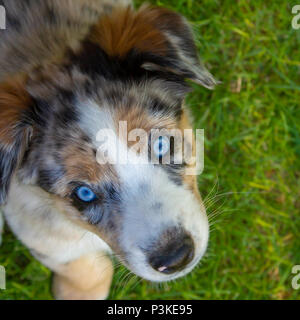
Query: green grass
<point x="252" y="167"/>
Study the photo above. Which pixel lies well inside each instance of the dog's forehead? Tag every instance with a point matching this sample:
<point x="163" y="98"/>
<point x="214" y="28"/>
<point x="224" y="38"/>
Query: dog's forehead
<point x="144" y="107"/>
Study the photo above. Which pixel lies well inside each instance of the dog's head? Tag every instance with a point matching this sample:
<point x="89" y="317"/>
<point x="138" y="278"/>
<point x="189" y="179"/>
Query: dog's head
<point x="131" y="68"/>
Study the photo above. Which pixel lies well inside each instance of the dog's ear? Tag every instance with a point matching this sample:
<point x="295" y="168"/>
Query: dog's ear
<point x="163" y="37"/>
<point x="181" y="55"/>
<point x="15" y="131"/>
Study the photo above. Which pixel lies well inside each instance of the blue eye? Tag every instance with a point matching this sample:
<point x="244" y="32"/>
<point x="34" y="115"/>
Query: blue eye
<point x="161" y="146"/>
<point x="85" y="194"/>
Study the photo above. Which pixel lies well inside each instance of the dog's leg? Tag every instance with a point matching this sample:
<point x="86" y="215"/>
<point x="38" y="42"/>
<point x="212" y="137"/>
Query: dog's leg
<point x="87" y="278"/>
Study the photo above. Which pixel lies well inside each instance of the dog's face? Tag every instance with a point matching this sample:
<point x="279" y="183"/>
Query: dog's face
<point x="132" y="72"/>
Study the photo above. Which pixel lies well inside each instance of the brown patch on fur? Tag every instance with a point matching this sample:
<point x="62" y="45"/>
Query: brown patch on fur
<point x="124" y="30"/>
<point x="14" y="100"/>
<point x="81" y="164"/>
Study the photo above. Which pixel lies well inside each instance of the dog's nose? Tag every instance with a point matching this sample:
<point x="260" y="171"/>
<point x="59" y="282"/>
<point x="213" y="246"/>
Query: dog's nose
<point x="174" y="257"/>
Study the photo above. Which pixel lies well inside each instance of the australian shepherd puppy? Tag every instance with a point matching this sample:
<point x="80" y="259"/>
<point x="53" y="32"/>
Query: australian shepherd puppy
<point x="69" y="69"/>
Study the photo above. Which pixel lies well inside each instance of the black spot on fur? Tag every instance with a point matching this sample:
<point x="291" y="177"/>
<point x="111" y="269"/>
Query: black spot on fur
<point x="65" y="95"/>
<point x="48" y="177"/>
<point x="50" y="16"/>
<point x="67" y="115"/>
<point x="94" y="213"/>
<point x="39" y="113"/>
<point x="12" y="23"/>
<point x="94" y="61"/>
<point x="157" y="105"/>
<point x="175" y="172"/>
<point x="112" y="192"/>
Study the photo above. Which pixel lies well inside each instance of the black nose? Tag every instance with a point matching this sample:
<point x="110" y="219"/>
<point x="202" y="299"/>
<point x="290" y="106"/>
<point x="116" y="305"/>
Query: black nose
<point x="174" y="256"/>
